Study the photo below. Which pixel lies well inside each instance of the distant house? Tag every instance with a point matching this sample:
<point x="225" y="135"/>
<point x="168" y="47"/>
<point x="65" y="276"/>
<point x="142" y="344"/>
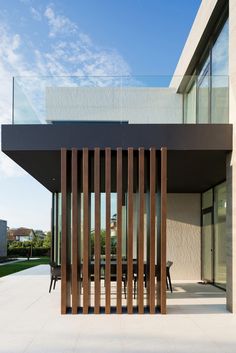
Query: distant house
<point x="113" y="224"/>
<point x="21" y="234"/>
<point x="10" y="234"/>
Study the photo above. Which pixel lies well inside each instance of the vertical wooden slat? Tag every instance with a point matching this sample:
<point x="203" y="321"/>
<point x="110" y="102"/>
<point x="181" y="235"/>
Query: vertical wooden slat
<point x="152" y="230"/>
<point x="141" y="233"/>
<point x="130" y="233"/>
<point x="79" y="185"/>
<point x="163" y="229"/>
<point x="56" y="240"/>
<point x="75" y="287"/>
<point x="52" y="250"/>
<point x="86" y="282"/>
<point x="64" y="231"/>
<point x="108" y="230"/>
<point x="119" y="233"/>
<point x="97" y="288"/>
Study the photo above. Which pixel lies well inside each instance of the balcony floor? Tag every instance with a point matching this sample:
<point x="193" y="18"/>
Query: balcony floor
<point x="31" y="321"/>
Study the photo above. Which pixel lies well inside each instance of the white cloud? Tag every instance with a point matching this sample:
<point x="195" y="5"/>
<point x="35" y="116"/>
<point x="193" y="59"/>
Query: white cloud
<point x="58" y="24"/>
<point x="70" y="51"/>
<point x="35" y="14"/>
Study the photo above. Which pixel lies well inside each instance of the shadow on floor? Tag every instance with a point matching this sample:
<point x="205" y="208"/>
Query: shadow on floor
<point x="195" y="298"/>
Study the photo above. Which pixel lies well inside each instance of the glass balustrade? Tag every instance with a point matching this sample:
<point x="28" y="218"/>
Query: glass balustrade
<point x="113" y="99"/>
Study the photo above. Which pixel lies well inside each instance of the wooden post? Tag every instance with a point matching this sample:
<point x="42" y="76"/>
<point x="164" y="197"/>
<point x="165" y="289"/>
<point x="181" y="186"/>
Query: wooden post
<point x="64" y="279"/>
<point x="108" y="230"/>
<point x="97" y="251"/>
<point x="75" y="248"/>
<point x="163" y="229"/>
<point x="130" y="232"/>
<point x="119" y="232"/>
<point x="152" y="230"/>
<point x="86" y="233"/>
<point x="141" y="233"/>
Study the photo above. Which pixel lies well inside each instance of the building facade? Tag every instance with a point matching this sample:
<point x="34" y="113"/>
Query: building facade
<point x="3" y="238"/>
<point x="157" y="153"/>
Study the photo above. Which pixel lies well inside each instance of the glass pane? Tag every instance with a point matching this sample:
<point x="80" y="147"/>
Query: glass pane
<point x="219" y="105"/>
<point x="207" y="199"/>
<point x="190" y="105"/>
<point x="207" y="247"/>
<point x="220" y="235"/>
<point x="203" y="99"/>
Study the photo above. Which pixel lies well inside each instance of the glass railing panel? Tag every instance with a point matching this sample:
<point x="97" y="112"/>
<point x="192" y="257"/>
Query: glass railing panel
<point x="119" y="99"/>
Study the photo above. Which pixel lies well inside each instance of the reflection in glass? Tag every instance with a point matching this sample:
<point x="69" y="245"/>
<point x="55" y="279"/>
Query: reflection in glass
<point x="207" y="199"/>
<point x="219" y="104"/>
<point x="190" y="105"/>
<point x="207" y="236"/>
<point x="220" y="235"/>
<point x="203" y="94"/>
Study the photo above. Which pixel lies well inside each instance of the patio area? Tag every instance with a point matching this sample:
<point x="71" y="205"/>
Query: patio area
<point x="31" y="322"/>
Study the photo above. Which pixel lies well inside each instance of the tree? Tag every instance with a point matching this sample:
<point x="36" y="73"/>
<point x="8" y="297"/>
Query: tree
<point x="102" y="243"/>
<point x="37" y="242"/>
<point x="47" y="240"/>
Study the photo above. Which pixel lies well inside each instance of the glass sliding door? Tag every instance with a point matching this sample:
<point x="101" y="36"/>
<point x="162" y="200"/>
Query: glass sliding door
<point x="220" y="235"/>
<point x="214" y="235"/>
<point x="207" y="246"/>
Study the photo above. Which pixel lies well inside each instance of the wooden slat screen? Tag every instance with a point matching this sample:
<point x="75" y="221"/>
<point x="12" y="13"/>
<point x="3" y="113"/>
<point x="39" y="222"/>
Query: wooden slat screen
<point x="134" y="185"/>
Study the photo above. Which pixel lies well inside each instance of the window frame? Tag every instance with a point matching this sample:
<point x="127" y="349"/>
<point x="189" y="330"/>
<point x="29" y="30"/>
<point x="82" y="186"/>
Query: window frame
<point x="200" y="65"/>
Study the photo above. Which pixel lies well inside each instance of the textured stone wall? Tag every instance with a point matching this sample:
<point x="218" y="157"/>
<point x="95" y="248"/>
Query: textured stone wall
<point x="184" y="236"/>
<point x="134" y="104"/>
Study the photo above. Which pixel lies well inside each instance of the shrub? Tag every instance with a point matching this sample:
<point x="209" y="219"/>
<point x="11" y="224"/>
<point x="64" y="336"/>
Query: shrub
<point x="25" y="251"/>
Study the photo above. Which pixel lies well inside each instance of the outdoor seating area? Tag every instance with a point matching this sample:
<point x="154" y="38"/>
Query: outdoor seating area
<point x="55" y="275"/>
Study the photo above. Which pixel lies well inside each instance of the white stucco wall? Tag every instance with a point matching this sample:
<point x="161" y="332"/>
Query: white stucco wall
<point x="129" y="104"/>
<point x="184" y="236"/>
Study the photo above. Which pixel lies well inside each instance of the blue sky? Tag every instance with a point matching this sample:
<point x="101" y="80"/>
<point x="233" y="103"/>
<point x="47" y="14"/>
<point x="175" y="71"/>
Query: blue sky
<point x="79" y="37"/>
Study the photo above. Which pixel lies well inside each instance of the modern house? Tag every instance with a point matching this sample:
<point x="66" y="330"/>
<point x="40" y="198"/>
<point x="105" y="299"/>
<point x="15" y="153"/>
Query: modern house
<point x="156" y="151"/>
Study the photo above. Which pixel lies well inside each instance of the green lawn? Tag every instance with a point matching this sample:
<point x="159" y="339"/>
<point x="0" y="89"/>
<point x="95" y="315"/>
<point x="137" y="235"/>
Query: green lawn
<point x="9" y="268"/>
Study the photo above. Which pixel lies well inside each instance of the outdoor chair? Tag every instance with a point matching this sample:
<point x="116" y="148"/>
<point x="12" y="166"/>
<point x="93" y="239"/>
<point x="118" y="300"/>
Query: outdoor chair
<point x="124" y="275"/>
<point x="113" y="272"/>
<point x="168" y="278"/>
<point x="55" y="275"/>
<point x="145" y="277"/>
